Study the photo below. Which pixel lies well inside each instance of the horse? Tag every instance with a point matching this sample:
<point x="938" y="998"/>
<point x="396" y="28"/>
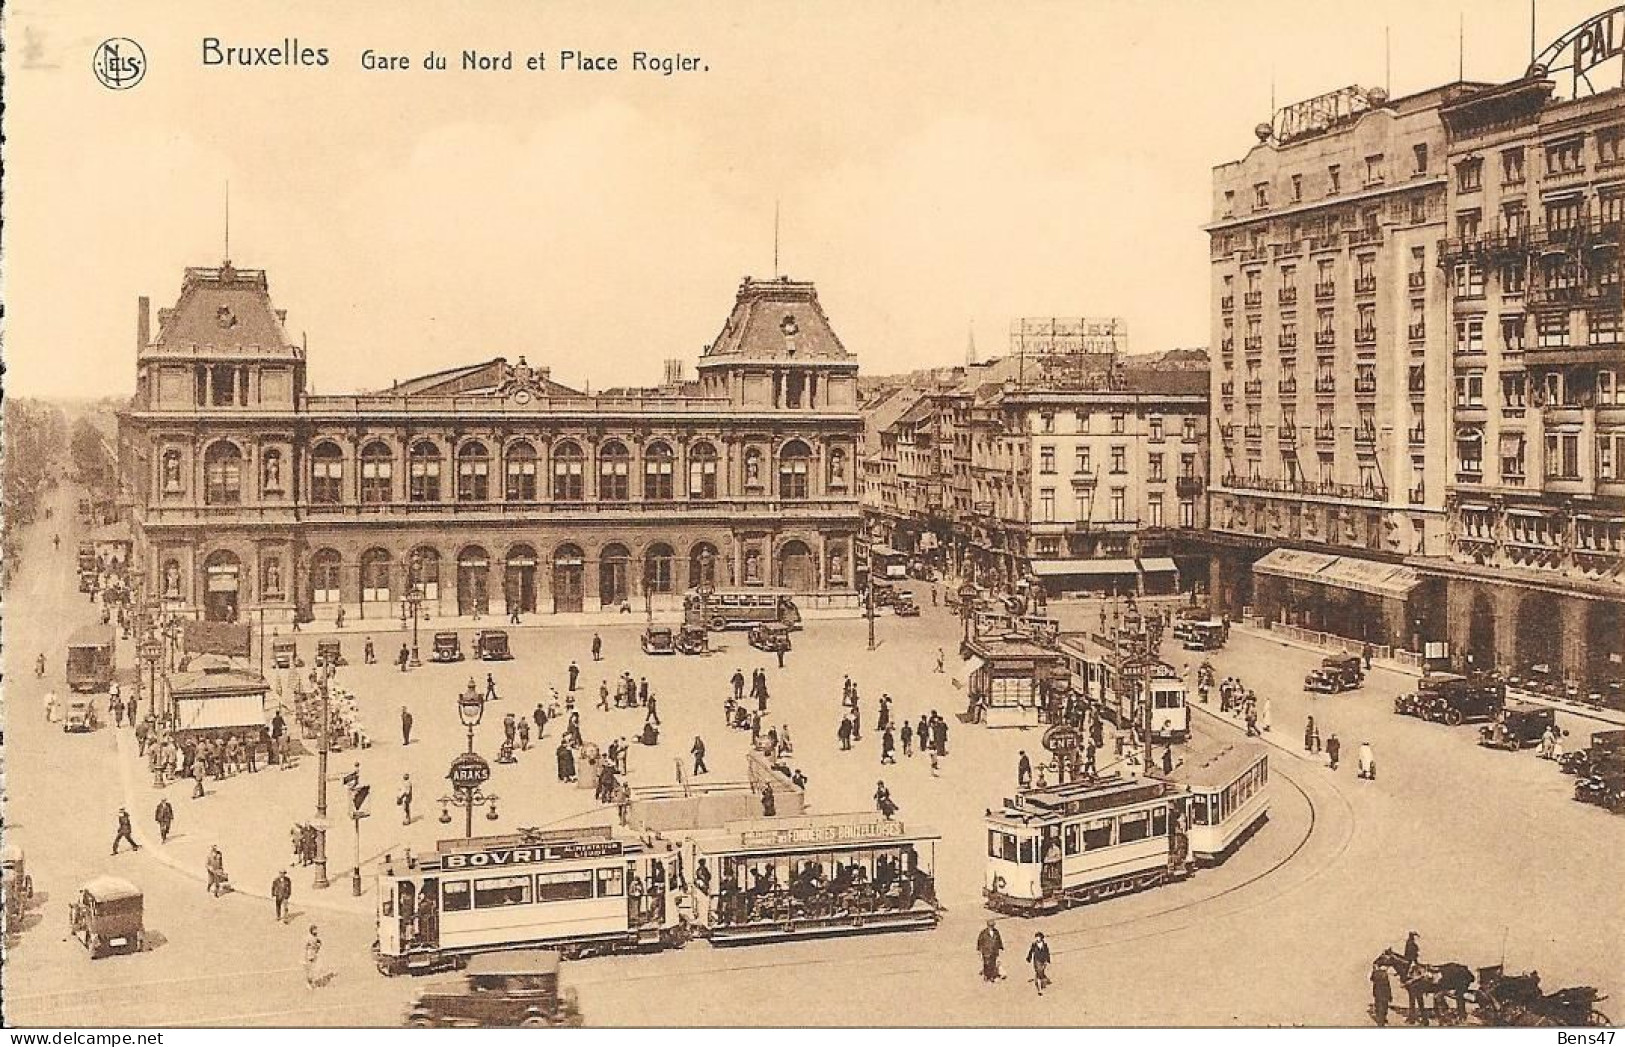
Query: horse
<point x="1438" y="980"/>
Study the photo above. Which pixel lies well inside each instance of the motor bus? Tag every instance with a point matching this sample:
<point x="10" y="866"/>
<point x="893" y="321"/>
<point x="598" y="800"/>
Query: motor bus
<point x="581" y="891"/>
<point x="90" y="658"/>
<point x="1097" y="673"/>
<point x="782" y="878"/>
<point x="740" y="608"/>
<point x="1228" y="799"/>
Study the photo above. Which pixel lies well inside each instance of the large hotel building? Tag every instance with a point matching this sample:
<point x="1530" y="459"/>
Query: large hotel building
<point x="488" y="487"/>
<point x="1419" y="401"/>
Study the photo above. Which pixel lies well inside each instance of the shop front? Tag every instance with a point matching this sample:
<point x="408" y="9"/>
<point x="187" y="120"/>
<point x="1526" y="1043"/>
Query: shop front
<point x="1368" y="601"/>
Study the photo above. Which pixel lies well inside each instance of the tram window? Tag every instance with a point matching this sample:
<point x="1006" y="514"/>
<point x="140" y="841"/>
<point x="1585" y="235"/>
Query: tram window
<point x="496" y="892"/>
<point x="1199" y="810"/>
<point x="1029" y="850"/>
<point x="1159" y="822"/>
<point x="1132" y="827"/>
<point x="564" y="886"/>
<point x="1001" y="845"/>
<point x="454" y="896"/>
<point x="1097" y="834"/>
<point x="610" y="883"/>
<point x="1073" y="839"/>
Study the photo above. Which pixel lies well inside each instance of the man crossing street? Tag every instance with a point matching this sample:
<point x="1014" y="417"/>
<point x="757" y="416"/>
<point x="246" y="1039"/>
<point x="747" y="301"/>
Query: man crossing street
<point x="281" y="892"/>
<point x="406" y="726"/>
<point x="164" y="815"/>
<point x="126" y="832"/>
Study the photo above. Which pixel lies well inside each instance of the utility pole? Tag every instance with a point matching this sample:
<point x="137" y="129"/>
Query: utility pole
<point x="870" y="601"/>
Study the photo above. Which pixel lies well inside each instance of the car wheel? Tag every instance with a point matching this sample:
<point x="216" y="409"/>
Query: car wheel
<point x="1452" y="717"/>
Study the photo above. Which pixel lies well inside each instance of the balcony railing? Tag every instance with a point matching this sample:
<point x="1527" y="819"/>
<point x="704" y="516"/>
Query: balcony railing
<point x="1324" y="339"/>
<point x="1253" y="432"/>
<point x="1227" y="389"/>
<point x="1253" y="299"/>
<point x="1325" y="433"/>
<point x="1227" y="303"/>
<point x="1365" y="284"/>
<point x="1287" y="296"/>
<point x="1188" y="486"/>
<point x="1326" y="488"/>
<point x="1365" y="335"/>
<point x="1417" y="332"/>
<point x="1290" y="249"/>
<point x="1288" y="434"/>
<point x="1416" y="495"/>
<point x="1360" y="237"/>
<point x="1288" y="340"/>
<point x="1287" y="386"/>
<point x="1365" y="383"/>
<point x="1253" y="387"/>
<point x="1227" y="431"/>
<point x="1325" y="241"/>
<point x="1365" y="435"/>
<point x="1084" y="478"/>
<point x="1417" y="435"/>
<point x="1326" y="384"/>
<point x="1416" y="281"/>
<point x="1254" y="343"/>
<point x="1326" y="289"/>
<point x="1228" y="346"/>
<point x="1256" y="253"/>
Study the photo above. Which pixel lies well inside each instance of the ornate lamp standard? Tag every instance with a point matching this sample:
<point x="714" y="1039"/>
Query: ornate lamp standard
<point x="469" y="771"/>
<point x="324" y="746"/>
<point x="413" y="602"/>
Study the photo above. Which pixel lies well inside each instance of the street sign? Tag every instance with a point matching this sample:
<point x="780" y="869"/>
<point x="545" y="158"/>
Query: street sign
<point x="469" y="771"/>
<point x="1063" y="738"/>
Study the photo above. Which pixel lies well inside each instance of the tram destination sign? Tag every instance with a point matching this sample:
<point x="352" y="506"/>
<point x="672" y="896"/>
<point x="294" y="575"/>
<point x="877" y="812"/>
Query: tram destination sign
<point x="498" y="857"/>
<point x="804" y="834"/>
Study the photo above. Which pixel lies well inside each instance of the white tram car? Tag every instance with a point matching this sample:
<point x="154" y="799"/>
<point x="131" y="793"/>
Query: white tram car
<point x="1085" y="841"/>
<point x="1095" y="673"/>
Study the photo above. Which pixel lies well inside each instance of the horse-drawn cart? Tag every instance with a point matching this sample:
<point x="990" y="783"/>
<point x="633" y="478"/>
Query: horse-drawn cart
<point x="1517" y="1000"/>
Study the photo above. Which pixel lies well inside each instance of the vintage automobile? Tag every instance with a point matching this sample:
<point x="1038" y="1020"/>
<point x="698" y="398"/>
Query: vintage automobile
<point x="330" y="652"/>
<point x="1605" y="784"/>
<point x="882" y="594"/>
<point x="17" y="884"/>
<point x="1199" y="635"/>
<point x="285" y="654"/>
<point x="517" y="988"/>
<point x="491" y="645"/>
<point x="1517" y="726"/>
<point x="770" y="636"/>
<point x="106" y="917"/>
<point x="79" y="715"/>
<point x="903" y="605"/>
<point x="1584" y="761"/>
<point x="1336" y="673"/>
<point x="693" y="639"/>
<point x="448" y="647"/>
<point x="658" y="639"/>
<point x="1451" y="699"/>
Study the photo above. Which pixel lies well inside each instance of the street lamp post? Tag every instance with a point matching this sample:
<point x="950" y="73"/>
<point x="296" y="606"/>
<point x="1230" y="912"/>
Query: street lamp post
<point x="469" y="771"/>
<point x="869" y="600"/>
<point x="324" y="674"/>
<point x="414" y="602"/>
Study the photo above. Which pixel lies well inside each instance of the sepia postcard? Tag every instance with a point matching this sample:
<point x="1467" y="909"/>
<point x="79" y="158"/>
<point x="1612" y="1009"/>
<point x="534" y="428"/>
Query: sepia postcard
<point x="925" y="514"/>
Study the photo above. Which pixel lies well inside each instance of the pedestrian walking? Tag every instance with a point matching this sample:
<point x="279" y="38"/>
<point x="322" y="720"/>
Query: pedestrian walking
<point x="368" y="655"/>
<point x="313" y="954"/>
<point x="575" y="673"/>
<point x="1382" y="994"/>
<point x="738" y="682"/>
<point x="406" y="726"/>
<point x="164" y="815"/>
<point x="698" y="749"/>
<point x="1333" y="749"/>
<point x="643" y="690"/>
<point x="769" y="804"/>
<point x="281" y="892"/>
<point x="126" y="832"/>
<point x="490" y="688"/>
<point x="844" y="732"/>
<point x="941" y="660"/>
<point x="39" y="665"/>
<point x="888" y="746"/>
<point x="907" y="738"/>
<point x="597" y="648"/>
<point x="524" y="734"/>
<point x="1038" y="956"/>
<point x="883" y="801"/>
<point x="403" y="799"/>
<point x="215" y="868"/>
<point x="510" y="728"/>
<point x="1264" y="713"/>
<point x="989" y="944"/>
<point x="1311" y="736"/>
<point x="1024" y="770"/>
<point x="403" y="657"/>
<point x="1167" y="760"/>
<point x="1365" y="655"/>
<point x="1367" y="761"/>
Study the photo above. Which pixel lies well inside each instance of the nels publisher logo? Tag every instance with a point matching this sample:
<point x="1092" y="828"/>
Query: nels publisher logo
<point x="119" y="63"/>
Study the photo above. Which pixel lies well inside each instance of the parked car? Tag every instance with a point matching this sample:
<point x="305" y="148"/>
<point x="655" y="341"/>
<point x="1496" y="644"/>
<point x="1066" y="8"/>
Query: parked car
<point x="1584" y="762"/>
<point x="657" y="639"/>
<point x="1605" y="785"/>
<point x="693" y="639"/>
<point x="285" y="654"/>
<point x="770" y="636"/>
<point x="106" y="917"/>
<point x="448" y="647"/>
<point x="517" y="988"/>
<point x="882" y="593"/>
<point x="17" y="884"/>
<point x="79" y="715"/>
<point x="903" y="605"/>
<point x="491" y="645"/>
<point x="1517" y="726"/>
<point x="1451" y="699"/>
<point x="1336" y="673"/>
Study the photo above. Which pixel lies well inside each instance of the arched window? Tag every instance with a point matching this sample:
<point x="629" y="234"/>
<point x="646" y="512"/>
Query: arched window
<point x="375" y="576"/>
<point x="326" y="474"/>
<point x="793" y="464"/>
<point x="170" y="480"/>
<point x="425" y="568"/>
<point x="838" y="471"/>
<point x="377" y="474"/>
<point x="324" y="576"/>
<point x="223" y="474"/>
<point x="659" y="573"/>
<point x="702" y="472"/>
<point x="424" y="470"/>
<point x="521" y="472"/>
<point x="614" y="464"/>
<point x="567" y="468"/>
<point x="473" y="473"/>
<point x="657" y="472"/>
<point x="271" y="472"/>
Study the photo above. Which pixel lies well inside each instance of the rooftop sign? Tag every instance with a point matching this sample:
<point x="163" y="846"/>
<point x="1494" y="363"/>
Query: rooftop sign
<point x="1576" y="56"/>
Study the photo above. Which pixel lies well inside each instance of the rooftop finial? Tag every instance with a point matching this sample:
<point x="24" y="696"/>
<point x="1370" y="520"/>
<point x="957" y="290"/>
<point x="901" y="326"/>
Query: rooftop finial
<point x="775" y="239"/>
<point x="227" y="255"/>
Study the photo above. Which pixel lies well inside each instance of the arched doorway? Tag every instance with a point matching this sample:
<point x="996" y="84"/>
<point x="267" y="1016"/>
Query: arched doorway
<point x="659" y="569"/>
<point x="375" y="588"/>
<point x="1540" y="636"/>
<point x="325" y="568"/>
<point x="797" y="571"/>
<point x="519" y="579"/>
<point x="702" y="566"/>
<point x="1481" y="632"/>
<point x="568" y="570"/>
<point x="613" y="586"/>
<point x="222" y="580"/>
<point x="473" y="581"/>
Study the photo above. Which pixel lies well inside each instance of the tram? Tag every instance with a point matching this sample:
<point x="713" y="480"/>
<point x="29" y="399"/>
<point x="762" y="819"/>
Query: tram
<point x="1097" y="673"/>
<point x="1228" y="799"/>
<point x="1085" y="841"/>
<point x="581" y="891"/>
<point x="815" y="876"/>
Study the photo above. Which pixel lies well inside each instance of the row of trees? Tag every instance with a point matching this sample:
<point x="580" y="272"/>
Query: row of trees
<point x="34" y="434"/>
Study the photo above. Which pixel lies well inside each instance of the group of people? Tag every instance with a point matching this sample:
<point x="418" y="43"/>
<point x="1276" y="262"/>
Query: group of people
<point x="1333" y="748"/>
<point x="929" y="736"/>
<point x="990" y="947"/>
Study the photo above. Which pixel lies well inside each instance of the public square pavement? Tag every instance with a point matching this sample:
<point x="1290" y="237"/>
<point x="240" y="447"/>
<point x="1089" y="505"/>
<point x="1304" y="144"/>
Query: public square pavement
<point x="1473" y="848"/>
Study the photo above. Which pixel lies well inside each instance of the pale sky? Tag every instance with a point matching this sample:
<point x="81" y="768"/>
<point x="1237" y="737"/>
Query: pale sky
<point x="937" y="166"/>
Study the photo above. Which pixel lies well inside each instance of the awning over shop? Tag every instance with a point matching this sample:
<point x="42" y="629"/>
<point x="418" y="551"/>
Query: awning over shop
<point x="1063" y="568"/>
<point x="1371" y="576"/>
<point x="1293" y="563"/>
<point x="1158" y="565"/>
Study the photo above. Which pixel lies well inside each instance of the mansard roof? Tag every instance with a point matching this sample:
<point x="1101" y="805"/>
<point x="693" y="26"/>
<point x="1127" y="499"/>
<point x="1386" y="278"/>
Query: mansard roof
<point x="225" y="310"/>
<point x="776" y="321"/>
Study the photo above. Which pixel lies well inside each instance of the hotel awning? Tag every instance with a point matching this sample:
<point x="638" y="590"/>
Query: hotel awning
<point x="1063" y="568"/>
<point x="1371" y="576"/>
<point x="1158" y="565"/>
<point x="1293" y="563"/>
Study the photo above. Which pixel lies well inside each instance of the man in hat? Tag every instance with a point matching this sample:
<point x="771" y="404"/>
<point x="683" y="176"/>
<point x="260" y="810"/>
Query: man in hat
<point x="406" y="726"/>
<point x="990" y="944"/>
<point x="125" y="832"/>
<point x="404" y="799"/>
<point x="1368" y="762"/>
<point x="281" y="892"/>
<point x="1382" y="993"/>
<point x="164" y="815"/>
<point x="1038" y="956"/>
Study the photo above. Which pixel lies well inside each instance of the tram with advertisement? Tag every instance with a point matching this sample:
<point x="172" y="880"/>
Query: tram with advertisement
<point x="1113" y="682"/>
<point x="775" y="879"/>
<point x="1085" y="841"/>
<point x="720" y="609"/>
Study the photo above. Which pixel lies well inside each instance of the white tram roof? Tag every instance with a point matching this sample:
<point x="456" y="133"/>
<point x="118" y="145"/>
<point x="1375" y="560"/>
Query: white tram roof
<point x="1220" y="767"/>
<point x="1075" y="798"/>
<point x="810" y="833"/>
